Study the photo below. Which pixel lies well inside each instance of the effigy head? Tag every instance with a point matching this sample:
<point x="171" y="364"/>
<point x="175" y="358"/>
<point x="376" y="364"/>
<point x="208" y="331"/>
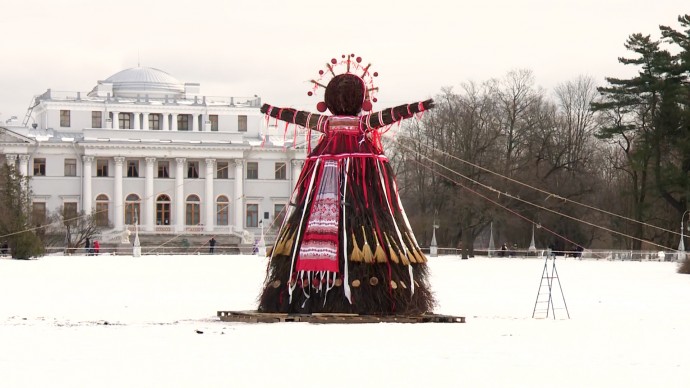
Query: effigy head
<point x="345" y="95"/>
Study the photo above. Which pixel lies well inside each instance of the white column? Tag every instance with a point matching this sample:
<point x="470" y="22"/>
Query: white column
<point x="11" y="159"/>
<point x="118" y="203"/>
<point x="173" y="127"/>
<point x="210" y="219"/>
<point x="136" y="118"/>
<point x="179" y="195"/>
<point x="239" y="194"/>
<point x="116" y="120"/>
<point x="145" y="121"/>
<point x="86" y="181"/>
<point x="164" y="118"/>
<point x="195" y="122"/>
<point x="296" y="171"/>
<point x="24" y="164"/>
<point x="149" y="209"/>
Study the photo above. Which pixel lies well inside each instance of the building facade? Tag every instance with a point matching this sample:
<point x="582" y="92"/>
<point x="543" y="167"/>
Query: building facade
<point x="143" y="147"/>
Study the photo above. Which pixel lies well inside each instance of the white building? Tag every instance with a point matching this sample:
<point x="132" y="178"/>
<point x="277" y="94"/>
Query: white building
<point x="143" y="143"/>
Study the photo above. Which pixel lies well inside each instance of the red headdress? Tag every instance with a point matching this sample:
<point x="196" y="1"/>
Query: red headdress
<point x="349" y="92"/>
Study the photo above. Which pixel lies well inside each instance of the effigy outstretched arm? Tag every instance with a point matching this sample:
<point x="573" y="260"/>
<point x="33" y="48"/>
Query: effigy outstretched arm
<point x="391" y="115"/>
<point x="305" y="119"/>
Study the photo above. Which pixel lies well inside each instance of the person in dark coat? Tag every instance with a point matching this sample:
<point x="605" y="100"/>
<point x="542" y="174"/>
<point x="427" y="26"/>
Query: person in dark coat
<point x="212" y="245"/>
<point x="87" y="247"/>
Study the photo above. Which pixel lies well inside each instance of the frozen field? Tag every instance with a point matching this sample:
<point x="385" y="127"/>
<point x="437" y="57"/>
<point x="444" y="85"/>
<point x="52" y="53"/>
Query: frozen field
<point x="150" y="322"/>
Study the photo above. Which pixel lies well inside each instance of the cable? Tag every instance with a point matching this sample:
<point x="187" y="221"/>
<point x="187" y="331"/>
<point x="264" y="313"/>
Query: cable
<point x="516" y="198"/>
<point x="544" y="191"/>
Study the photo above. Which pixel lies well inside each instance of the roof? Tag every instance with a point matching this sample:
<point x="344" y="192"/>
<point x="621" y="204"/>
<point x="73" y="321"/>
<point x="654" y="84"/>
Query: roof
<point x="144" y="80"/>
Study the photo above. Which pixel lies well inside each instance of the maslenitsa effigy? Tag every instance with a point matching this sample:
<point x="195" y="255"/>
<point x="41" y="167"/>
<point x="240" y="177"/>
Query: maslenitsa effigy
<point x="345" y="245"/>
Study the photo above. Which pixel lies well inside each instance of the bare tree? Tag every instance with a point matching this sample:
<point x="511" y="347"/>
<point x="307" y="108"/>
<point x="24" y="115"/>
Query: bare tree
<point x="515" y="94"/>
<point x="71" y="230"/>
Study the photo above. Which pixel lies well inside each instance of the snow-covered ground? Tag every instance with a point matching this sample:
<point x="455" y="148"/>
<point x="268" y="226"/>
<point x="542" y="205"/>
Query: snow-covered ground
<point x="151" y="322"/>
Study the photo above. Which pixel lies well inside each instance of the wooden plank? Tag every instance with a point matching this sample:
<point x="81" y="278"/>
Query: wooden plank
<point x="323" y="318"/>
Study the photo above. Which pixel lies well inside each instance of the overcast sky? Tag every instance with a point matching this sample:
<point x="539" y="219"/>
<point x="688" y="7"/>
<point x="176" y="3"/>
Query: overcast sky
<point x="271" y="48"/>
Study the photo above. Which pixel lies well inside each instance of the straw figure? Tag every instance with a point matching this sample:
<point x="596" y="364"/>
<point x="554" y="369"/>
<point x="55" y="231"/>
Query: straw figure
<point x="345" y="245"/>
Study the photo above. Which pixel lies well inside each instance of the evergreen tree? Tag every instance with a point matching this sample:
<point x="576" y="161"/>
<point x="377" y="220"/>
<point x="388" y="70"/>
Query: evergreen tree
<point x="648" y="117"/>
<point x="15" y="207"/>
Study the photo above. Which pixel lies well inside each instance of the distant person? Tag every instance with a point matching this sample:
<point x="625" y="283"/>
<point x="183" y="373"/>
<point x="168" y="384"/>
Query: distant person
<point x="504" y="249"/>
<point x="212" y="245"/>
<point x="5" y="248"/>
<point x="96" y="247"/>
<point x="255" y="248"/>
<point x="87" y="247"/>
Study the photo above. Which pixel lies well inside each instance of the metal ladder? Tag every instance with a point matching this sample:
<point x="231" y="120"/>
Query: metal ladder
<point x="549" y="278"/>
<point x="32" y="105"/>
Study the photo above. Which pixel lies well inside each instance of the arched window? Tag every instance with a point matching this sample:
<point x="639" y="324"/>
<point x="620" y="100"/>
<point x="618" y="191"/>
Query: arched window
<point x="102" y="210"/>
<point x="193" y="210"/>
<point x="222" y="210"/>
<point x="132" y="209"/>
<point x="163" y="210"/>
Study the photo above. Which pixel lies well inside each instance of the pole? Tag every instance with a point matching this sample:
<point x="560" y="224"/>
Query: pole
<point x="261" y="245"/>
<point x="433" y="248"/>
<point x="492" y="247"/>
<point x="136" y="248"/>
<point x="681" y="245"/>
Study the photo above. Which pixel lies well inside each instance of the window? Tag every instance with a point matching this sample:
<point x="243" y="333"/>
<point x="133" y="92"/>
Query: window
<point x="96" y="119"/>
<point x="102" y="210"/>
<point x="164" y="169"/>
<point x="69" y="213"/>
<point x="183" y="122"/>
<point x="214" y="122"/>
<point x="278" y="214"/>
<point x="281" y="171"/>
<point x="252" y="215"/>
<point x="163" y="210"/>
<point x="222" y="210"/>
<point x="252" y="170"/>
<point x="64" y="118"/>
<point x="70" y="167"/>
<point x="242" y="123"/>
<point x="132" y="209"/>
<point x="222" y="170"/>
<point x="101" y="167"/>
<point x="125" y="120"/>
<point x="192" y="169"/>
<point x="154" y="121"/>
<point x="193" y="210"/>
<point x="39" y="167"/>
<point x="132" y="168"/>
<point x="38" y="213"/>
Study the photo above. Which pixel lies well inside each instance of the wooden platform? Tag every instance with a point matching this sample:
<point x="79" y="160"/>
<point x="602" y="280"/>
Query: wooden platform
<point x="257" y="317"/>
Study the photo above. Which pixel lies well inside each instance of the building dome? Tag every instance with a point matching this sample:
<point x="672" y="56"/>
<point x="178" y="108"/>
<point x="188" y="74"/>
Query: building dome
<point x="142" y="81"/>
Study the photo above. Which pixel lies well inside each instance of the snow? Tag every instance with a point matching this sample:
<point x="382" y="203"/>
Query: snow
<point x="115" y="321"/>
